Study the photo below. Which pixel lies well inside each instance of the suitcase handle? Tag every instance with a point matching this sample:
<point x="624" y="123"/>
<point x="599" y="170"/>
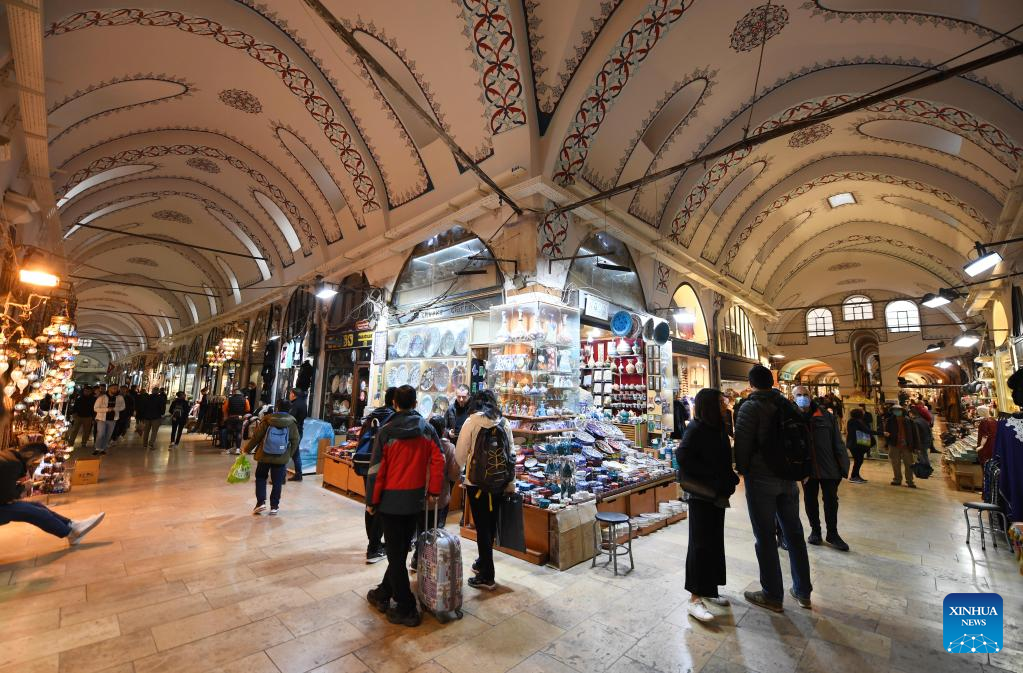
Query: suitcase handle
<point x="426" y="502"/>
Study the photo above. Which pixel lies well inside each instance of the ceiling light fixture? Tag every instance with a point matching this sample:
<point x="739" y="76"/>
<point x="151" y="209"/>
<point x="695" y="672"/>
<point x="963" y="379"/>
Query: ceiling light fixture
<point x="36" y="270"/>
<point x="841" y="199"/>
<point x="944" y="364"/>
<point x="324" y="290"/>
<point x="987" y="259"/>
<point x="966" y="339"/>
<point x="685" y="316"/>
<point x="610" y="266"/>
<point x="935" y="346"/>
<point x="944" y="296"/>
<point x="778" y="356"/>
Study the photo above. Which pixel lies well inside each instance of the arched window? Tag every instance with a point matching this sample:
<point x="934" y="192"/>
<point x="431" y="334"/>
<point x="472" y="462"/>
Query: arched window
<point x="604" y="266"/>
<point x="449" y="268"/>
<point x="902" y="316"/>
<point x="819" y="323"/>
<point x="688" y="319"/>
<point x="857" y="307"/>
<point x="737" y="335"/>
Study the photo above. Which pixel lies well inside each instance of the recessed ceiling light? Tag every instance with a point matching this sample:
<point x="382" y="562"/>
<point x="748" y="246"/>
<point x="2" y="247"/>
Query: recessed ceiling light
<point x="841" y="199"/>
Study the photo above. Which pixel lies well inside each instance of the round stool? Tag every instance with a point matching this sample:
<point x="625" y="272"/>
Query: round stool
<point x="612" y="549"/>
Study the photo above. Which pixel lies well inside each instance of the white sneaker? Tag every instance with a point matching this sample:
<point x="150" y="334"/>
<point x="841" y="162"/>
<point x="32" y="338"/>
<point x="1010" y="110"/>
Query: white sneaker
<point x="236" y="452"/>
<point x="79" y="529"/>
<point x="274" y="511"/>
<point x="719" y="600"/>
<point x="258" y="509"/>
<point x="699" y="611"/>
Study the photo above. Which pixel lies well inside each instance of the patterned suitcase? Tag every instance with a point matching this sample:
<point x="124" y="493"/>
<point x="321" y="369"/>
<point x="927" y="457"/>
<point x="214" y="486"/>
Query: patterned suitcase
<point x="439" y="573"/>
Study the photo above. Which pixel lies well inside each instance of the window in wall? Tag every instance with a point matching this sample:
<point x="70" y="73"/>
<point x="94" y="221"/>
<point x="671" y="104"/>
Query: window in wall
<point x="687" y="318"/>
<point x="431" y="274"/>
<point x="737" y="335"/>
<point x="857" y="307"/>
<point x="605" y="268"/>
<point x="902" y="316"/>
<point x="819" y="323"/>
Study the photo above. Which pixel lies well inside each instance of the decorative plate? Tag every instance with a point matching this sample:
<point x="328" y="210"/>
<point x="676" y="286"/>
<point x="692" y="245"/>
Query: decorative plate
<point x="401" y="345"/>
<point x="530" y="462"/>
<point x="427" y="382"/>
<point x="462" y="342"/>
<point x="392" y="377"/>
<point x="621" y="323"/>
<point x="441" y="404"/>
<point x="401" y="378"/>
<point x="447" y="343"/>
<point x="457" y="377"/>
<point x="425" y="406"/>
<point x="432" y="342"/>
<point x="417" y="345"/>
<point x="584" y="437"/>
<point x="441" y="377"/>
<point x="346" y="384"/>
<point x="415" y="373"/>
<point x="335" y="383"/>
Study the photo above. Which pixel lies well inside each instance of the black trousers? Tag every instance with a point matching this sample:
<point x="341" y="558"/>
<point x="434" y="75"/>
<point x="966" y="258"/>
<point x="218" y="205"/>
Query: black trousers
<point x="398" y="530"/>
<point x="374" y="526"/>
<point x="858" y="454"/>
<point x="705" y="560"/>
<point x="830" y="489"/>
<point x="486" y="512"/>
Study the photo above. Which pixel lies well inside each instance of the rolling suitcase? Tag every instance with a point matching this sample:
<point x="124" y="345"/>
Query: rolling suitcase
<point x="439" y="572"/>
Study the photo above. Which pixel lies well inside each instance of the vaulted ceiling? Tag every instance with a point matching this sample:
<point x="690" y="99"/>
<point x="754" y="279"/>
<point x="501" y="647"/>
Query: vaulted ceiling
<point x="251" y="130"/>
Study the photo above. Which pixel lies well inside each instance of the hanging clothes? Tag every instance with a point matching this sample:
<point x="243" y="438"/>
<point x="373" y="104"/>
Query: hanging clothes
<point x="1009" y="451"/>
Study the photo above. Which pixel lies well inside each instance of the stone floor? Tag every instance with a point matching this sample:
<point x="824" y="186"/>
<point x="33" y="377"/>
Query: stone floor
<point x="180" y="577"/>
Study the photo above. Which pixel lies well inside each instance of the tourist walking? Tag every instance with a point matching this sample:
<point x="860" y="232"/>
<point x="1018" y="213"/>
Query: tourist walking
<point x="299" y="409"/>
<point x="273" y="442"/>
<point x="128" y="398"/>
<point x="235" y="406"/>
<point x="859" y="437"/>
<point x="378" y="418"/>
<point x="149" y="410"/>
<point x="705" y="472"/>
<point x="903" y="442"/>
<point x="179" y="410"/>
<point x="109" y="408"/>
<point x="484" y="446"/>
<point x="84" y="412"/>
<point x="829" y="465"/>
<point x="406" y="453"/>
<point x="767" y="435"/>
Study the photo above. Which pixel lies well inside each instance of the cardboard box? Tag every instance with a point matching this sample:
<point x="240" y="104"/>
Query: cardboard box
<point x="572" y="536"/>
<point x="86" y="471"/>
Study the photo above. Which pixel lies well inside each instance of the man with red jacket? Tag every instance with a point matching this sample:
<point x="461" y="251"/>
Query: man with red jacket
<point x="406" y="451"/>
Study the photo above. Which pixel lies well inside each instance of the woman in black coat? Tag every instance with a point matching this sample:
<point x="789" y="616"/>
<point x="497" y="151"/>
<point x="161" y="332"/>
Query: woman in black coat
<point x="705" y="471"/>
<point x="855" y="429"/>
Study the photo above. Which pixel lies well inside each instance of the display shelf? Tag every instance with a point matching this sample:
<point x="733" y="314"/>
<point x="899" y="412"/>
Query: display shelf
<point x="519" y="417"/>
<point x="539" y="433"/>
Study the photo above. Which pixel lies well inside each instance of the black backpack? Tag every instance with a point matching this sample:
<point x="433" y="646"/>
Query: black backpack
<point x="364" y="449"/>
<point x="491" y="465"/>
<point x="789" y="455"/>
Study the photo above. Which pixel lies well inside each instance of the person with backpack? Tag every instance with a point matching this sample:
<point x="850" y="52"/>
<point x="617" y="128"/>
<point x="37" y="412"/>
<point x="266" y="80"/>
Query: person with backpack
<point x="235" y="406"/>
<point x="484" y="450"/>
<point x="859" y="437"/>
<point x="273" y="443"/>
<point x="299" y="410"/>
<point x="426" y="520"/>
<point x="922" y="467"/>
<point x="829" y="464"/>
<point x="179" y="410"/>
<point x="407" y="465"/>
<point x="378" y="418"/>
<point x="772" y="453"/>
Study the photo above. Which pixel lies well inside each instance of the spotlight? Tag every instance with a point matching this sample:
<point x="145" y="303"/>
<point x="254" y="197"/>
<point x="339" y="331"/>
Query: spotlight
<point x="985" y="260"/>
<point x="966" y="339"/>
<point x="935" y="346"/>
<point x="944" y="364"/>
<point x="324" y="290"/>
<point x="943" y="297"/>
<point x="685" y="316"/>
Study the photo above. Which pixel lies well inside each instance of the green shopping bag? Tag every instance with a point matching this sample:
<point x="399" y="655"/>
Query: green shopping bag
<point x="241" y="471"/>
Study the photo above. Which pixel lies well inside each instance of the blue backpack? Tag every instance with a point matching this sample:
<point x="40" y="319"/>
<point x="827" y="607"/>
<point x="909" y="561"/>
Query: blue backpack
<point x="276" y="441"/>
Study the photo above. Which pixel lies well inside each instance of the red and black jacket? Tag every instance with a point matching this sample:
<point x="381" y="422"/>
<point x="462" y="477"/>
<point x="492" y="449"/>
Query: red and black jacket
<point x="404" y="451"/>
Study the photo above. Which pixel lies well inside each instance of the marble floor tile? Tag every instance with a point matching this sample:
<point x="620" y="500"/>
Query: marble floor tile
<point x="501" y="647"/>
<point x="317" y="648"/>
<point x="670" y="650"/>
<point x="590" y="646"/>
<point x="107" y="654"/>
<point x="541" y="663"/>
<point x="216" y="651"/>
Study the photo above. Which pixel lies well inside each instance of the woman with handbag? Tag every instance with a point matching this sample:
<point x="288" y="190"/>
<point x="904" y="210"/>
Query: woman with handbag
<point x="706" y="475"/>
<point x="858" y="439"/>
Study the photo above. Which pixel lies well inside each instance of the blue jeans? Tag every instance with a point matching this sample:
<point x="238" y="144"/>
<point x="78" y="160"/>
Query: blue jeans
<point x="278" y="473"/>
<point x="38" y="515"/>
<point x="768" y="497"/>
<point x="104" y="429"/>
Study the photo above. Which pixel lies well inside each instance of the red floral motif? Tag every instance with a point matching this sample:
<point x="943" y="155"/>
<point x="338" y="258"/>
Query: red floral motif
<point x="297" y="81"/>
<point x="553" y="230"/>
<point x="984" y="133"/>
<point x="492" y="38"/>
<point x="757" y="26"/>
<point x="809" y="136"/>
<point x="631" y="51"/>
<point x="134" y="156"/>
<point x="662" y="278"/>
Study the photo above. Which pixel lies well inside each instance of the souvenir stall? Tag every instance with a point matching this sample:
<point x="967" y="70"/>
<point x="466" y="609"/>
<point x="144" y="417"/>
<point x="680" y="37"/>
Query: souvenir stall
<point x="193" y="357"/>
<point x="433" y="336"/>
<point x="210" y="371"/>
<point x="298" y="344"/>
<point x="253" y="372"/>
<point x="176" y="369"/>
<point x="225" y="357"/>
<point x="348" y="355"/>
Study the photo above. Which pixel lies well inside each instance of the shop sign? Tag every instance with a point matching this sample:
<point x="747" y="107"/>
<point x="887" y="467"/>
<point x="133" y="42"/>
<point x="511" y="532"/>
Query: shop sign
<point x="379" y="348"/>
<point x="352" y="339"/>
<point x="596" y="307"/>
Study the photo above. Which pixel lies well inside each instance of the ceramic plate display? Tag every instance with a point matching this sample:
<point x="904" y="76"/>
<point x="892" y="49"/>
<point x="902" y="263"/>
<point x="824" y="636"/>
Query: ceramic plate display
<point x="428" y="377"/>
<point x="401" y="378"/>
<point x="425" y="406"/>
<point x="335" y="383"/>
<point x="457" y="376"/>
<point x="416" y="345"/>
<point x="462" y="342"/>
<point x="441" y="404"/>
<point x="345" y="408"/>
<point x="401" y="345"/>
<point x="441" y="377"/>
<point x="392" y="377"/>
<point x="432" y="342"/>
<point x="346" y="384"/>
<point x="447" y="343"/>
<point x="415" y="373"/>
<point x="530" y="462"/>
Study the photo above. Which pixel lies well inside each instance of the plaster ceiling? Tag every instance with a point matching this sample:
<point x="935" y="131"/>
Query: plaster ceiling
<point x="226" y="116"/>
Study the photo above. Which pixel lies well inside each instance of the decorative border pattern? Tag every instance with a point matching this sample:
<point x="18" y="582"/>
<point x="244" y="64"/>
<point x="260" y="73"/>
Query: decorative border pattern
<point x="488" y="25"/>
<point x="194" y="257"/>
<point x="830" y="178"/>
<point x="127" y="157"/>
<point x="809" y="136"/>
<point x="203" y="164"/>
<point x="548" y="97"/>
<point x="142" y="261"/>
<point x="187" y="90"/>
<point x="843" y="266"/>
<point x="241" y="100"/>
<point x="297" y="81"/>
<point x="981" y="131"/>
<point x="553" y="231"/>
<point x="757" y="26"/>
<point x="633" y="48"/>
<point x="171" y="216"/>
<point x="663" y="273"/>
<point x="852" y="281"/>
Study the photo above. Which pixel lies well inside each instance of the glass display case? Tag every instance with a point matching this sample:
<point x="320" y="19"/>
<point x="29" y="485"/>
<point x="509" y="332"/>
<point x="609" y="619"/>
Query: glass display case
<point x="534" y="363"/>
<point x="432" y="357"/>
<point x="616" y="373"/>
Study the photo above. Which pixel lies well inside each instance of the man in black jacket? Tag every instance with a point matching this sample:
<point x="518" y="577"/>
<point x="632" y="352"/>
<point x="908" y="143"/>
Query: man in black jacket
<point x="16" y="466"/>
<point x="84" y="411"/>
<point x="371" y="425"/>
<point x="299" y="410"/>
<point x="768" y="497"/>
<point x="457" y="413"/>
<point x="149" y="412"/>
